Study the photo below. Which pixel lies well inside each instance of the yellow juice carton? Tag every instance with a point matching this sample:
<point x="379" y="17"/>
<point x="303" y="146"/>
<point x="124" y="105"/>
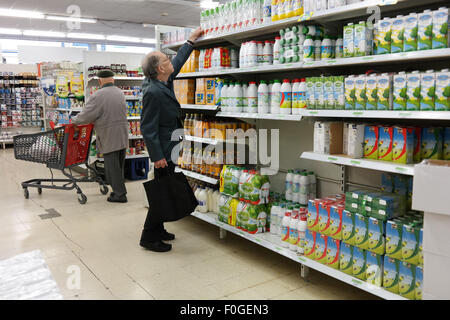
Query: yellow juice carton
<point x="413" y="91"/>
<point x="321" y="248"/>
<point x="419" y="283"/>
<point x="374" y="268"/>
<point x="350" y="92"/>
<point x="210" y="84"/>
<point x="384" y="36"/>
<point x="360" y="93"/>
<point x="384" y="91"/>
<point x="372" y="92"/>
<point x="359" y="263"/>
<point x="310" y="244"/>
<point x="333" y="253"/>
<point x="346" y="258"/>
<point x="394" y="238"/>
<point x="425" y="30"/>
<point x="377" y="238"/>
<point x="410" y="244"/>
<point x="427" y="90"/>
<point x="361" y="231"/>
<point x="313" y="215"/>
<point x="371" y="142"/>
<point x="446" y="149"/>
<point x="399" y="93"/>
<point x="348" y="227"/>
<point x="324" y="218"/>
<point x="397" y="35"/>
<point x="417" y="154"/>
<point x="210" y="98"/>
<point x="403" y="145"/>
<point x="407" y="280"/>
<point x="200" y="97"/>
<point x="385" y="139"/>
<point x="349" y="40"/>
<point x="432" y="143"/>
<point x="440" y="28"/>
<point x="411" y="30"/>
<point x="335" y="228"/>
<point x="442" y="94"/>
<point x="391" y="274"/>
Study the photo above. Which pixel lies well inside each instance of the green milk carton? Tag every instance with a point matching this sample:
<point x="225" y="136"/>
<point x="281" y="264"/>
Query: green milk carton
<point x="348" y="227"/>
<point x="359" y="263"/>
<point x="427" y="90"/>
<point x="319" y="94"/>
<point x="410" y="244"/>
<point x="346" y="258"/>
<point x="407" y="280"/>
<point x="377" y="236"/>
<point x="440" y="28"/>
<point x="350" y="92"/>
<point x="394" y="232"/>
<point x="442" y="94"/>
<point x="425" y="31"/>
<point x="372" y="92"/>
<point x="329" y="101"/>
<point x="384" y="32"/>
<point x="419" y="283"/>
<point x="397" y="35"/>
<point x="374" y="268"/>
<point x="400" y="91"/>
<point x="413" y="91"/>
<point x="384" y="91"/>
<point x="333" y="253"/>
<point x="339" y="92"/>
<point x="310" y="96"/>
<point x="432" y="143"/>
<point x="361" y="231"/>
<point x="391" y="273"/>
<point x="411" y="32"/>
<point x="349" y="40"/>
<point x="360" y="93"/>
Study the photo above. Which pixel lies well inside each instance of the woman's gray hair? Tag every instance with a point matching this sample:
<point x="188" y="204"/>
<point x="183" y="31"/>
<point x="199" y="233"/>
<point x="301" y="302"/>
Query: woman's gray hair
<point x="150" y="65"/>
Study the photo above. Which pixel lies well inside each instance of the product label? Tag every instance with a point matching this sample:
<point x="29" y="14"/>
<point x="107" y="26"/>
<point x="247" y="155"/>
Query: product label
<point x="286" y="100"/>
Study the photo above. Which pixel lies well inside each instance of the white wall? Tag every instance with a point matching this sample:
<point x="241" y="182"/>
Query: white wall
<point x="36" y="54"/>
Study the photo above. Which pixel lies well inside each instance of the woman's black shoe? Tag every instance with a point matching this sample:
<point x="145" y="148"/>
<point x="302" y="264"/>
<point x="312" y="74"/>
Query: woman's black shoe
<point x="157" y="246"/>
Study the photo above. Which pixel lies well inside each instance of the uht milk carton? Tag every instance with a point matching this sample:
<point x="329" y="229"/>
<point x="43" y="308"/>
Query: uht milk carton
<point x="363" y="40"/>
<point x="321" y="248"/>
<point x="350" y="92"/>
<point x="360" y="93"/>
<point x="319" y="95"/>
<point x="403" y="145"/>
<point x="400" y="94"/>
<point x="384" y="36"/>
<point x="425" y="32"/>
<point x="407" y="280"/>
<point x="419" y="284"/>
<point x="374" y="268"/>
<point x="391" y="274"/>
<point x="310" y="96"/>
<point x="413" y="91"/>
<point x="349" y="40"/>
<point x="384" y="91"/>
<point x="432" y="143"/>
<point x="324" y="218"/>
<point x="410" y="247"/>
<point x="446" y="150"/>
<point x="335" y="229"/>
<point x="355" y="140"/>
<point x="411" y="32"/>
<point x="333" y="253"/>
<point x="361" y="231"/>
<point x="440" y="28"/>
<point x="339" y="92"/>
<point x="442" y="94"/>
<point x="427" y="90"/>
<point x="417" y="154"/>
<point x="310" y="244"/>
<point x="329" y="101"/>
<point x="397" y="35"/>
<point x="387" y="182"/>
<point x="371" y="142"/>
<point x="371" y="92"/>
<point x="385" y="139"/>
<point x="346" y="258"/>
<point x="348" y="227"/>
<point x="394" y="232"/>
<point x="359" y="263"/>
<point x="377" y="239"/>
<point x="312" y="219"/>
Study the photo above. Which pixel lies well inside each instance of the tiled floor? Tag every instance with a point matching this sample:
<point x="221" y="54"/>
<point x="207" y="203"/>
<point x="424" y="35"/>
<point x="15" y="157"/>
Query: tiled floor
<point x="101" y="239"/>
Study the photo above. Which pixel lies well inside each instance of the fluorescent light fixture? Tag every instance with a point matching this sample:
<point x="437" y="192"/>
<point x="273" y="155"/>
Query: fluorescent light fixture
<point x="122" y="39"/>
<point x="148" y="40"/>
<point x="21" y="13"/>
<point x="10" y="31"/>
<point x="39" y="33"/>
<point x="209" y="4"/>
<point x="74" y="19"/>
<point x="86" y="36"/>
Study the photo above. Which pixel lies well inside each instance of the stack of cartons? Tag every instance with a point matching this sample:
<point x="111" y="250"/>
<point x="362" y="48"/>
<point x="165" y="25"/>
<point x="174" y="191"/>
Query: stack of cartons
<point x="205" y="91"/>
<point x="184" y="90"/>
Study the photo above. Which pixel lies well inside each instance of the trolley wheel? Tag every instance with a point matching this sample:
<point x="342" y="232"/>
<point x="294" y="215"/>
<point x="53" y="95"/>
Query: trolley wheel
<point x="104" y="189"/>
<point x="26" y="194"/>
<point x="82" y="199"/>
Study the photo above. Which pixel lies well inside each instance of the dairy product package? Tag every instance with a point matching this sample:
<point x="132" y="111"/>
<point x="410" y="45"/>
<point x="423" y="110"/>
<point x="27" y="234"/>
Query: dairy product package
<point x="384" y="91"/>
<point x="418" y="288"/>
<point x="328" y="91"/>
<point x="371" y="142"/>
<point x="387" y="182"/>
<point x="417" y="154"/>
<point x="377" y="236"/>
<point x="440" y="28"/>
<point x="328" y="137"/>
<point x="310" y="244"/>
<point x="413" y="91"/>
<point x="411" y="32"/>
<point x="310" y="95"/>
<point x="384" y="36"/>
<point x="349" y="40"/>
<point x="400" y="94"/>
<point x="403" y="145"/>
<point x="361" y="231"/>
<point x="410" y="247"/>
<point x="442" y="94"/>
<point x="355" y="140"/>
<point x="407" y="280"/>
<point x="374" y="268"/>
<point x="397" y="36"/>
<point x="324" y="218"/>
<point x="350" y="92"/>
<point x="391" y="274"/>
<point x="318" y="134"/>
<point x="312" y="219"/>
<point x="319" y="95"/>
<point x="348" y="227"/>
<point x="427" y="90"/>
<point x="446" y="149"/>
<point x="333" y="253"/>
<point x="339" y="92"/>
<point x="385" y="140"/>
<point x="362" y="40"/>
<point x="425" y="30"/>
<point x="346" y="258"/>
<point x="359" y="263"/>
<point x="321" y="248"/>
<point x="371" y="92"/>
<point x="336" y="212"/>
<point x="360" y="93"/>
<point x="394" y="238"/>
<point x="432" y="143"/>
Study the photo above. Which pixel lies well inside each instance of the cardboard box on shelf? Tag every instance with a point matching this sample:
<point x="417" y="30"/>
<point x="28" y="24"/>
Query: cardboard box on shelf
<point x="200" y="97"/>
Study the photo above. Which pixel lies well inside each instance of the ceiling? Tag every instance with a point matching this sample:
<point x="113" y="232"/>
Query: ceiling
<point x="116" y="17"/>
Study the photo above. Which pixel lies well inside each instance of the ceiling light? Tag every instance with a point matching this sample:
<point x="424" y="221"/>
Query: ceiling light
<point x="148" y="40"/>
<point x="123" y="39"/>
<point x="21" y="14"/>
<point x="10" y="31"/>
<point x="86" y="36"/>
<point x="40" y="33"/>
<point x="209" y="4"/>
<point x="74" y="19"/>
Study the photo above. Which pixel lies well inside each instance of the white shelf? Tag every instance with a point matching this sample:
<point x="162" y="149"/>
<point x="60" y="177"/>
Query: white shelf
<point x="134" y="118"/>
<point x="121" y="78"/>
<point x="212" y="141"/>
<point x="197" y="176"/>
<point x="135" y="137"/>
<point x="407" y="169"/>
<point x="137" y="156"/>
<point x="132" y="98"/>
<point x="69" y="110"/>
<point x="422" y="115"/>
<point x="199" y="107"/>
<point x="273" y="243"/>
<point x="269" y="116"/>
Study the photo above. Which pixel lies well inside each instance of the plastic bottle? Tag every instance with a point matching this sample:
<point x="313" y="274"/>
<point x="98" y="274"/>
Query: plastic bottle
<point x="326" y="51"/>
<point x="286" y="97"/>
<point x="281" y="10"/>
<point x="339" y="51"/>
<point x="289" y="185"/>
<point x="275" y="97"/>
<point x="308" y="49"/>
<point x="274" y="10"/>
<point x="293" y="229"/>
<point x="252" y="54"/>
<point x="296" y="188"/>
<point x="244" y="97"/>
<point x="304" y="188"/>
<point x="274" y="218"/>
<point x="216" y="201"/>
<point x="239" y="96"/>
<point x="267" y="53"/>
<point x="312" y="185"/>
<point x="295" y="96"/>
<point x="260" y="56"/>
<point x="210" y="200"/>
<point x="243" y="178"/>
<point x="242" y="55"/>
<point x="301" y="229"/>
<point x="285" y="223"/>
<point x="280" y="215"/>
<point x="224" y="97"/>
<point x="276" y="50"/>
<point x="263" y="98"/>
<point x="231" y="99"/>
<point x="267" y="13"/>
<point x="317" y="48"/>
<point x="252" y="98"/>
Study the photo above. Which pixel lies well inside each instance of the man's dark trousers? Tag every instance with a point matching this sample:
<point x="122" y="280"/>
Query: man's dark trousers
<point x="114" y="172"/>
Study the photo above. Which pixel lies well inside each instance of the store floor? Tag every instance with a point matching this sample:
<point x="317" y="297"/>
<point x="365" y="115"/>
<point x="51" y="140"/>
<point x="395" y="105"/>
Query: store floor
<point x="102" y="239"/>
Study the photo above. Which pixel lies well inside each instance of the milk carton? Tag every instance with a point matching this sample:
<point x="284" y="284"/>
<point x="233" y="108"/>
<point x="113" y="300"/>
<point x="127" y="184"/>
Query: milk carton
<point x="349" y="40"/>
<point x="418" y="283"/>
<point x="328" y="87"/>
<point x="410" y="247"/>
<point x="397" y="36"/>
<point x="427" y="90"/>
<point x="394" y="232"/>
<point x="359" y="263"/>
<point x="333" y="253"/>
<point x="384" y="91"/>
<point x="350" y="92"/>
<point x="384" y="36"/>
<point x="312" y="219"/>
<point x="339" y="92"/>
<point x="413" y="91"/>
<point x="310" y="244"/>
<point x="355" y="140"/>
<point x="442" y="94"/>
<point x="446" y="150"/>
<point x="324" y="218"/>
<point x="371" y="142"/>
<point x="400" y="94"/>
<point x="371" y="92"/>
<point x="362" y="40"/>
<point x="407" y="282"/>
<point x="387" y="182"/>
<point x="361" y="231"/>
<point x="421" y="247"/>
<point x="335" y="229"/>
<point x="432" y="143"/>
<point x="377" y="238"/>
<point x="360" y="93"/>
<point x="403" y="145"/>
<point x="310" y="96"/>
<point x="391" y="274"/>
<point x="348" y="227"/>
<point x="440" y="28"/>
<point x="425" y="30"/>
<point x="411" y="30"/>
<point x="321" y="248"/>
<point x="318" y="133"/>
<point x="319" y="95"/>
<point x="374" y="268"/>
<point x="385" y="140"/>
<point x="417" y="154"/>
<point x="346" y="258"/>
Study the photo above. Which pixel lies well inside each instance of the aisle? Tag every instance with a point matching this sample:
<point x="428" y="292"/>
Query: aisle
<point x="102" y="239"/>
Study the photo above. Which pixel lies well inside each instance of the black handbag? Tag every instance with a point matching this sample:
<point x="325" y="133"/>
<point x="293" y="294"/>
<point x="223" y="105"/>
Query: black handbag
<point x="170" y="197"/>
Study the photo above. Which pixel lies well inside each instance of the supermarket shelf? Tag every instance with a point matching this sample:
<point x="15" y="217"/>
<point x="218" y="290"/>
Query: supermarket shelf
<point x="134" y="118"/>
<point x="199" y="107"/>
<point x="131" y="98"/>
<point x="197" y="176"/>
<point x="121" y="78"/>
<point x="69" y="110"/>
<point x="260" y="116"/>
<point x="273" y="243"/>
<point x="357" y="61"/>
<point x="407" y="169"/>
<point x="131" y="137"/>
<point x="212" y="141"/>
<point x="375" y="114"/>
<point x="137" y="156"/>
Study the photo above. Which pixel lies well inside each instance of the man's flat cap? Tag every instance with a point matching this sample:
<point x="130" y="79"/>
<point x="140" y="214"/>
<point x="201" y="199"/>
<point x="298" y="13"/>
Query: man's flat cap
<point x="105" y="74"/>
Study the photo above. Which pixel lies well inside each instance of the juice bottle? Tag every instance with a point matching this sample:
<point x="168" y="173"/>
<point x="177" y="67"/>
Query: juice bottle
<point x="274" y="9"/>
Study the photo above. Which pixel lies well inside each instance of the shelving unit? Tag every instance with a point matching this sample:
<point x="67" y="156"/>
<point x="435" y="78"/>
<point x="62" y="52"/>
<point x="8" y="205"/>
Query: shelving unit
<point x="269" y="116"/>
<point x="212" y="141"/>
<point x="199" y="107"/>
<point x="197" y="176"/>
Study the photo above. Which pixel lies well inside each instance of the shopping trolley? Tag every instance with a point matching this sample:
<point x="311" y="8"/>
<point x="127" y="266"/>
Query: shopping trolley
<point x="61" y="148"/>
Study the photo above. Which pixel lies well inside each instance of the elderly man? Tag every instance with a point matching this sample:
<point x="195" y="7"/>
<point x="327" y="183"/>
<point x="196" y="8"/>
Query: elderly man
<point x="160" y="118"/>
<point x="107" y="109"/>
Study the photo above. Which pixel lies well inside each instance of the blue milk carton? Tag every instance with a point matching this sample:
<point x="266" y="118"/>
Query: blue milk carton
<point x="391" y="273"/>
<point x="377" y="236"/>
<point x="419" y="283"/>
<point x="374" y="268"/>
<point x="407" y="281"/>
<point x="387" y="182"/>
<point x="361" y="231"/>
<point x="359" y="263"/>
<point x="346" y="258"/>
